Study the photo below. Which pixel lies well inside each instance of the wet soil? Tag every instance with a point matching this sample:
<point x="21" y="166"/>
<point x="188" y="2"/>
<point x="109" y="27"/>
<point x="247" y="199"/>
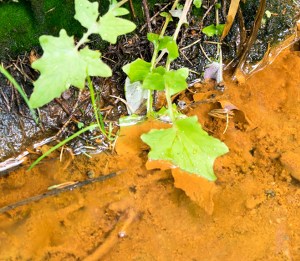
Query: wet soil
<point x="250" y="213"/>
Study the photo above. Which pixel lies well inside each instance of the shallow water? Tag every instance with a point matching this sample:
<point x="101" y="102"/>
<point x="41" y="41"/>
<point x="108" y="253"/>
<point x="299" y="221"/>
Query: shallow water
<point x="251" y="213"/>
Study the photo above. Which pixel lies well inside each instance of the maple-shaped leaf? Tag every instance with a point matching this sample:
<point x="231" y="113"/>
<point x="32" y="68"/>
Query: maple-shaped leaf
<point x="86" y="13"/>
<point x="110" y="26"/>
<point x="61" y="66"/>
<point x="187" y="146"/>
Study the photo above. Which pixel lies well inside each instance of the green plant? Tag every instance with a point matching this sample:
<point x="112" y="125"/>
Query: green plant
<point x="60" y="52"/>
<point x="65" y="63"/>
<point x="186" y="145"/>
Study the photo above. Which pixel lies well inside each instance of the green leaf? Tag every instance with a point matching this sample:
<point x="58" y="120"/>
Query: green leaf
<point x="176" y="80"/>
<point x="217" y="5"/>
<point x="209" y="30"/>
<point x="212" y="30"/>
<point x="166" y="15"/>
<point x="133" y="119"/>
<point x="62" y="66"/>
<point x="119" y="11"/>
<point x="110" y="27"/>
<point x="86" y="13"/>
<point x="137" y="70"/>
<point x="197" y="3"/>
<point x="95" y="66"/>
<point x="220" y="28"/>
<point x="154" y="81"/>
<point x="187" y="146"/>
<point x="153" y="38"/>
<point x="160" y="69"/>
<point x="167" y="42"/>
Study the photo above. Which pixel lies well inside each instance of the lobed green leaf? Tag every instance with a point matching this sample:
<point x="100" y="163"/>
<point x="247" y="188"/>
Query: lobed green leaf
<point x="153" y="38"/>
<point x="86" y="13"/>
<point x="187" y="146"/>
<point x="62" y="66"/>
<point x="110" y="27"/>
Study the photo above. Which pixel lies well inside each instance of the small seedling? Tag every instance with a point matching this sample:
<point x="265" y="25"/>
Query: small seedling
<point x="186" y="145"/>
<point x="65" y="62"/>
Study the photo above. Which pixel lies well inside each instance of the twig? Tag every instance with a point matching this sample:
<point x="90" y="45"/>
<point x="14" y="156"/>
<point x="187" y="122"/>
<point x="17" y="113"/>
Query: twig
<point x="70" y="116"/>
<point x="132" y="8"/>
<point x="147" y="14"/>
<point x="154" y="16"/>
<point x="205" y="54"/>
<point x="57" y="191"/>
<point x="252" y="37"/>
<point x="119" y="231"/>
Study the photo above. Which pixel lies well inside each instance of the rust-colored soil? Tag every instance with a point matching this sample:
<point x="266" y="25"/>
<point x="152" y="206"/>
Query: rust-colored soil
<point x="251" y="213"/>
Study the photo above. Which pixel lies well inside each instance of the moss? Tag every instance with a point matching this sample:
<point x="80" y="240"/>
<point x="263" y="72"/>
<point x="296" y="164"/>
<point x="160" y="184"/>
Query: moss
<point x="18" y="21"/>
<point x="27" y="20"/>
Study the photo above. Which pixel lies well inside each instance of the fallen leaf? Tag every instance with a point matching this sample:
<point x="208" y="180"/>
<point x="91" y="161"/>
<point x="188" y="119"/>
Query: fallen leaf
<point x="234" y="5"/>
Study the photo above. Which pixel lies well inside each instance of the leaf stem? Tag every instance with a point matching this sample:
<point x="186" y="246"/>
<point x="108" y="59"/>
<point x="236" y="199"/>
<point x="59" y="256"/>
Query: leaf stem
<point x="185" y="10"/>
<point x="169" y="102"/>
<point x="85" y="36"/>
<point x="97" y="115"/>
<point x="119" y="4"/>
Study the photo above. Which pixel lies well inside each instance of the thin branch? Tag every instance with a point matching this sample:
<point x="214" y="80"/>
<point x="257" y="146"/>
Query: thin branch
<point x="56" y="191"/>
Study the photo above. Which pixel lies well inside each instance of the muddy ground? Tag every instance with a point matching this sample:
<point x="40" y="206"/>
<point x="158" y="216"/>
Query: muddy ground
<point x="250" y="213"/>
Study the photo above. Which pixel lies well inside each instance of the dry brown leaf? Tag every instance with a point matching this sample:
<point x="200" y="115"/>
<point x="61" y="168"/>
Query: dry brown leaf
<point x="234" y="5"/>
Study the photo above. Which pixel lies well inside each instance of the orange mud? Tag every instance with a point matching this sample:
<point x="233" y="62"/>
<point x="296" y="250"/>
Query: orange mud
<point x="251" y="213"/>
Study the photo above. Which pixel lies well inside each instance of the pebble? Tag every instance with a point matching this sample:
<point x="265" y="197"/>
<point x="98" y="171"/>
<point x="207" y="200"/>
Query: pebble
<point x="291" y="161"/>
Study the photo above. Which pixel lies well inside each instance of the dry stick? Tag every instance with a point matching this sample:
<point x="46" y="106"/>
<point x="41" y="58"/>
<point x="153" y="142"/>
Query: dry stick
<point x="57" y="191"/>
<point x="201" y="25"/>
<point x="147" y="14"/>
<point x="243" y="34"/>
<point x="70" y="116"/>
<point x="253" y="36"/>
<point x="132" y="8"/>
<point x="154" y="16"/>
<point x="62" y="106"/>
<point x="185" y="10"/>
<point x="123" y="223"/>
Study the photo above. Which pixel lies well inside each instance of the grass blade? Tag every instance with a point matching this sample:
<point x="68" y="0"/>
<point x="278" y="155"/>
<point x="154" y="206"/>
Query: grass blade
<point x="20" y="90"/>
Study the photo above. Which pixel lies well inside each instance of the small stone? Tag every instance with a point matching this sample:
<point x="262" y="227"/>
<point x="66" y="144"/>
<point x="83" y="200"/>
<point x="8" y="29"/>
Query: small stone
<point x="90" y="174"/>
<point x="291" y="161"/>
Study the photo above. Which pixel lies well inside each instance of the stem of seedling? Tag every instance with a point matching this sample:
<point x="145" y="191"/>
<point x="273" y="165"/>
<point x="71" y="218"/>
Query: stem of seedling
<point x="119" y="4"/>
<point x="185" y="10"/>
<point x="85" y="37"/>
<point x="97" y="114"/>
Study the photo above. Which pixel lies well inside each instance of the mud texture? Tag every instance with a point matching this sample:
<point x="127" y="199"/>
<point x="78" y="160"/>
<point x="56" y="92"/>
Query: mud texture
<point x="141" y="215"/>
